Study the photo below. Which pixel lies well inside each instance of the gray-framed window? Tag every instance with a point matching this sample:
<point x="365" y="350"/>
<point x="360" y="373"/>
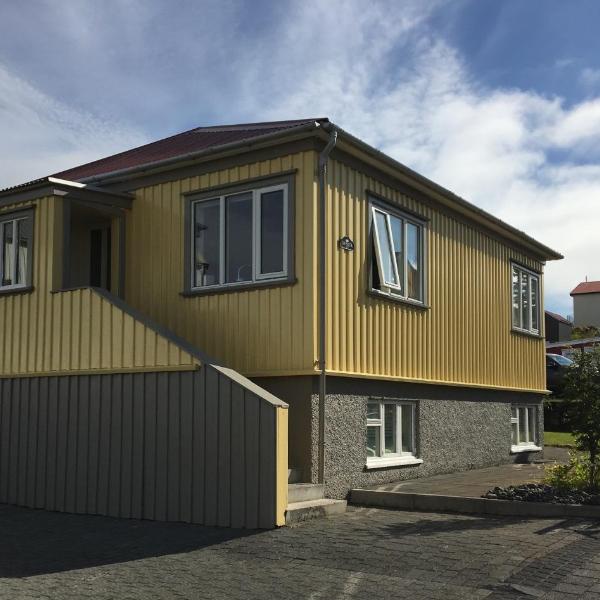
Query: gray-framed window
<point x="524" y="426"/>
<point x="240" y="238"/>
<point x="16" y="244"/>
<point x="525" y="299"/>
<point x="398" y="254"/>
<point x="390" y="429"/>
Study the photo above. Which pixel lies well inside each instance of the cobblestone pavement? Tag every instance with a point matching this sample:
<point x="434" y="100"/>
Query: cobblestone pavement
<point x="366" y="553"/>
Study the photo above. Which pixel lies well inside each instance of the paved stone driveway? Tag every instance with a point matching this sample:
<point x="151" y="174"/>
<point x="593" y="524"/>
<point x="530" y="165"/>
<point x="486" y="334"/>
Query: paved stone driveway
<point x="367" y="553"/>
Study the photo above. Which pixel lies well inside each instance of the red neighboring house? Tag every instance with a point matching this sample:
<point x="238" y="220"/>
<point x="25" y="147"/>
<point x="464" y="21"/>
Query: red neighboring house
<point x="586" y="304"/>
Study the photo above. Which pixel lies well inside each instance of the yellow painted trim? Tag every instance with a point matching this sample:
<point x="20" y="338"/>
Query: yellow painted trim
<point x="397" y="378"/>
<point x="281" y="465"/>
<point x="280" y="373"/>
<point x="156" y="369"/>
<point x="436" y="382"/>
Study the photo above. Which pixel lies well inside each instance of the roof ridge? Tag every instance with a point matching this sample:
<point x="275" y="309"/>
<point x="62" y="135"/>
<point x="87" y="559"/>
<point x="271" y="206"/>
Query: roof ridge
<point x="181" y="138"/>
<point x="257" y="126"/>
<point x="586" y="287"/>
<point x="558" y="317"/>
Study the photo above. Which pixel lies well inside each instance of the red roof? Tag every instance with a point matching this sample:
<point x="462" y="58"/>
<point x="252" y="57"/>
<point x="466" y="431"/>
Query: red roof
<point x="587" y="287"/>
<point x="194" y="140"/>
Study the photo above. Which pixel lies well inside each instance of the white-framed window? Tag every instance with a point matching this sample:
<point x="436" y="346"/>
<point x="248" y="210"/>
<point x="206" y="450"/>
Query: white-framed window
<point x="390" y="433"/>
<point x="398" y="265"/>
<point x="525" y="300"/>
<point x="16" y="233"/>
<point x="240" y="238"/>
<point x="524" y="428"/>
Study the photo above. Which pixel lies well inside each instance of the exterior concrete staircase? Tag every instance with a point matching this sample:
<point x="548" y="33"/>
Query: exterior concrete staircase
<point x="307" y="501"/>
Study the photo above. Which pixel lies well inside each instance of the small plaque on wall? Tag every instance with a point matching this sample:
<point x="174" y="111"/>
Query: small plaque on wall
<point x="346" y="244"/>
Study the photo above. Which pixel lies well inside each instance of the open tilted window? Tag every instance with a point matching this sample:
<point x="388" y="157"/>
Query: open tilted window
<point x="525" y="300"/>
<point x="398" y="262"/>
<point x="240" y="238"/>
<point x="16" y="233"/>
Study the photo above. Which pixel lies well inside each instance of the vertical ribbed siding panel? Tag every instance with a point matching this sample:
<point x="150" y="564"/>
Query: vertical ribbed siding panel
<point x="179" y="446"/>
<point x="81" y="330"/>
<point x="41" y="442"/>
<point x="254" y="331"/>
<point x="463" y="337"/>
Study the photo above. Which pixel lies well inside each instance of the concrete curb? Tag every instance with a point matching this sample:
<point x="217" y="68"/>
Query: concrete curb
<point x="465" y="505"/>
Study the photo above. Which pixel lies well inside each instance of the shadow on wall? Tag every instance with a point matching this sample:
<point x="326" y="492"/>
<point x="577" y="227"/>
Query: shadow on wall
<point x="36" y="542"/>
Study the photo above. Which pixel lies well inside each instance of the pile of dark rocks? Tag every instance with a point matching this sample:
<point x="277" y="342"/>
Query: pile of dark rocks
<point x="541" y="492"/>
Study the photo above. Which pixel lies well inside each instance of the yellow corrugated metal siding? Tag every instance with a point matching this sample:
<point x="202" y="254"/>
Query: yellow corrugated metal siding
<point x="44" y="332"/>
<point x="26" y="344"/>
<point x="464" y="337"/>
<point x="268" y="330"/>
<point x="83" y="332"/>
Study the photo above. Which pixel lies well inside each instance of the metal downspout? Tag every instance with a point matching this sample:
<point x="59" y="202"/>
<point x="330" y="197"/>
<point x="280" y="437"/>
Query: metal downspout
<point x="323" y="159"/>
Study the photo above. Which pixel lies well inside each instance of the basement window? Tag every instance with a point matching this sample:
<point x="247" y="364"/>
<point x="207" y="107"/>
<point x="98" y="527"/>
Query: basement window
<point x="390" y="434"/>
<point x="398" y="242"/>
<point x="524" y="428"/>
<point x="240" y="238"/>
<point x="525" y="300"/>
<point x="16" y="233"/>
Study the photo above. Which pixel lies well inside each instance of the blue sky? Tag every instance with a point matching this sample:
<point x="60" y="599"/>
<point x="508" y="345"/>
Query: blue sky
<point x="498" y="100"/>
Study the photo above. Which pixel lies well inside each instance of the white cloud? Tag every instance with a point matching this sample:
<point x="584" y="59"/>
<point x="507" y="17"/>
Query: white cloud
<point x="41" y="135"/>
<point x="381" y="73"/>
<point x="515" y="153"/>
<point x="589" y="77"/>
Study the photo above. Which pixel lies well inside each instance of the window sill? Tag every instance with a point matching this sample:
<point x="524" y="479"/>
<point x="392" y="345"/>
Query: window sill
<point x="239" y="287"/>
<point x="16" y="290"/>
<point x="525" y="448"/>
<point x="526" y="333"/>
<point x="392" y="461"/>
<point x="391" y="298"/>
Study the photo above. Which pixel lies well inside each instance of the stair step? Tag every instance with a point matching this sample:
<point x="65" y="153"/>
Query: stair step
<point x="294" y="475"/>
<point x="297" y="512"/>
<point x="301" y="492"/>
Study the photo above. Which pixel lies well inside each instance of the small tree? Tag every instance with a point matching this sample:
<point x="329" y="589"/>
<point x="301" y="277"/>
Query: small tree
<point x="582" y="394"/>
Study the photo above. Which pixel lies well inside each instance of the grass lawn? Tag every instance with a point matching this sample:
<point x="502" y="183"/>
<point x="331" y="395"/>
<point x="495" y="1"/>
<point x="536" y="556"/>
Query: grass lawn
<point x="558" y="438"/>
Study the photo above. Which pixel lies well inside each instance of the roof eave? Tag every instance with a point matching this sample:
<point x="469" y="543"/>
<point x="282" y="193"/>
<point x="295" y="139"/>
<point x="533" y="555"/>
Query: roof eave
<point x="454" y="201"/>
<point x="52" y="186"/>
<point x="164" y="164"/>
<point x="583" y="293"/>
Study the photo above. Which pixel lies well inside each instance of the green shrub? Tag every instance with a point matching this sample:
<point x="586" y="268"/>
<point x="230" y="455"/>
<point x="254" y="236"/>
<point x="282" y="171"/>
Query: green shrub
<point x="576" y="474"/>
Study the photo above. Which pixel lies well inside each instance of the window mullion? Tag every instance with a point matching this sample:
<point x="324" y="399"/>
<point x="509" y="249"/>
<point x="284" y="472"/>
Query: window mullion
<point x="1" y="252"/>
<point x="192" y="230"/>
<point x="399" y="416"/>
<point x="405" y="258"/>
<point x="286" y="230"/>
<point x="391" y="248"/>
<point x="530" y="280"/>
<point x="256" y="241"/>
<point x="377" y="244"/>
<point x="14" y="253"/>
<point x="222" y="240"/>
<point x="521" y="307"/>
<point x="381" y="430"/>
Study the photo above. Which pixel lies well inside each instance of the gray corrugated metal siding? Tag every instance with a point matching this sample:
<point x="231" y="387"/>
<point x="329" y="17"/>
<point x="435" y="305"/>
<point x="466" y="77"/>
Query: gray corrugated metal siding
<point x="189" y="446"/>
